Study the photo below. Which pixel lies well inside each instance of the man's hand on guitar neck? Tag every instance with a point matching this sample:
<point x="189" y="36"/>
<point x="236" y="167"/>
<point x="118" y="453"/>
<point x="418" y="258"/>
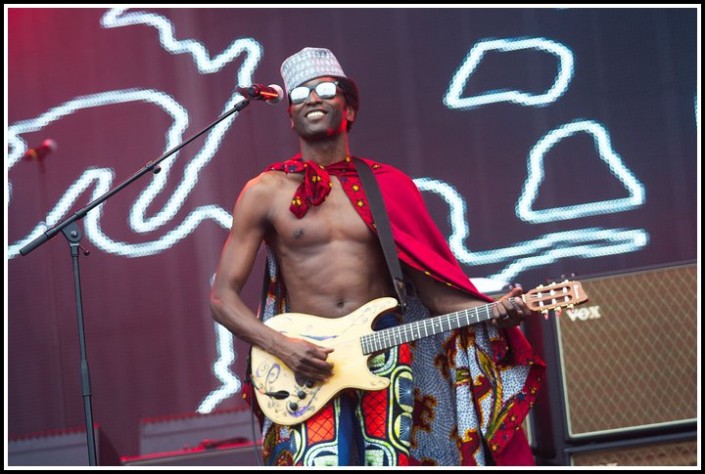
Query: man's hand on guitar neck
<point x="510" y="310"/>
<point x="305" y="359"/>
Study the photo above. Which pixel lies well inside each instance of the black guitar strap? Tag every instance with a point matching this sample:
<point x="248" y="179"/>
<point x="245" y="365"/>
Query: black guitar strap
<point x="384" y="230"/>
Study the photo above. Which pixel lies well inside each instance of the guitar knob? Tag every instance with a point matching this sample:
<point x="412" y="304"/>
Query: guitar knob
<point x="301" y="394"/>
<point x="293" y="406"/>
<point x="310" y="383"/>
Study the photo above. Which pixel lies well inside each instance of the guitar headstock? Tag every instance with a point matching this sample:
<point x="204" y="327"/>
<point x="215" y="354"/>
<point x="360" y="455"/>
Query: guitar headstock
<point x="565" y="294"/>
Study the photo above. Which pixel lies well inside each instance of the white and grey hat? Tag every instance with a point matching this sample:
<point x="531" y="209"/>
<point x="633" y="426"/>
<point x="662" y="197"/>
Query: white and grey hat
<point x="307" y="64"/>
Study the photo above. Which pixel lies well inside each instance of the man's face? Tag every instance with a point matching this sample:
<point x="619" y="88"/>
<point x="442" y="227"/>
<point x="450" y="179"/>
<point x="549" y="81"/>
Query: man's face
<point x="316" y="117"/>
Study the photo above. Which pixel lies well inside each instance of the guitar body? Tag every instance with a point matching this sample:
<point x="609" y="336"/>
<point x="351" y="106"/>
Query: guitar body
<point x="287" y="401"/>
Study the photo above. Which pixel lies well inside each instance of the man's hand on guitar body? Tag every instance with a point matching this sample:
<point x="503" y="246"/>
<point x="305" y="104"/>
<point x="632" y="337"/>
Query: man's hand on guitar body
<point x="306" y="360"/>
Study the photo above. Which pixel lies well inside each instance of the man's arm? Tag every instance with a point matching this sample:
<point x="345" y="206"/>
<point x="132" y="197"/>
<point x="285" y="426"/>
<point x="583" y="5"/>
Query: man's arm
<point x="439" y="298"/>
<point x="250" y="222"/>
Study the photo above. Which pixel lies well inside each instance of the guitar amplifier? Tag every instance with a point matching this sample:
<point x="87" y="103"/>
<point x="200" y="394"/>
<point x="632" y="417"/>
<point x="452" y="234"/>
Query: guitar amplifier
<point x="170" y="433"/>
<point x="233" y="454"/>
<point x="622" y="364"/>
<point x="681" y="450"/>
<point x="60" y="447"/>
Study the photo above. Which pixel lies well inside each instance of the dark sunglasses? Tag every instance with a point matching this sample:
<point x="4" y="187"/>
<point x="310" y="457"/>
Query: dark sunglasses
<point x="324" y="90"/>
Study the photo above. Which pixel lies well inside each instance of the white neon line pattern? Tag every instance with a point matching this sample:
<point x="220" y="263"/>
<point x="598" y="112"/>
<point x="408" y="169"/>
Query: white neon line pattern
<point x="603" y="145"/>
<point x="582" y="243"/>
<point x="231" y="384"/>
<point x="453" y="98"/>
<point x="116" y="17"/>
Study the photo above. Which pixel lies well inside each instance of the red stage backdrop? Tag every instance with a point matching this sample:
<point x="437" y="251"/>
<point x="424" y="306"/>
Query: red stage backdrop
<point x="545" y="141"/>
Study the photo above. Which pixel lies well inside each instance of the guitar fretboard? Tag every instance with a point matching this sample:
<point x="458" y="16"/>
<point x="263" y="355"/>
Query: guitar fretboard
<point x="386" y="338"/>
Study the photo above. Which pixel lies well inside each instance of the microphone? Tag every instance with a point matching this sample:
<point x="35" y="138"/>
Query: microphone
<point x="271" y="94"/>
<point x="39" y="153"/>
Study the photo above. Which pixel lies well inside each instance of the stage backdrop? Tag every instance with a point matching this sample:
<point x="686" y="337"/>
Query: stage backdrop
<point x="546" y="142"/>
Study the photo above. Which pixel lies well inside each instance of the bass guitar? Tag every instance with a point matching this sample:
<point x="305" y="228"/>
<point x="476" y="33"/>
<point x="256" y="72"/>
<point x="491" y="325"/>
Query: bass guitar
<point x="287" y="401"/>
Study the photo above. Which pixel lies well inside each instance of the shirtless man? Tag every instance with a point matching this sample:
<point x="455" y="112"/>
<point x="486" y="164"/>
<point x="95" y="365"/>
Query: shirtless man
<point x="330" y="260"/>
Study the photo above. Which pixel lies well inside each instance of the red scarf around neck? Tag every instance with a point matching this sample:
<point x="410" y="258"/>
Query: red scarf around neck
<point x="317" y="184"/>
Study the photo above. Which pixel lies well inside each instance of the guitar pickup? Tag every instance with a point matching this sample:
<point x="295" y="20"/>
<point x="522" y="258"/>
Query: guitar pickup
<point x="280" y="395"/>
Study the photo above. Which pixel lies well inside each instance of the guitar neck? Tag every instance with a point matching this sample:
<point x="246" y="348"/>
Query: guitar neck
<point x="394" y="336"/>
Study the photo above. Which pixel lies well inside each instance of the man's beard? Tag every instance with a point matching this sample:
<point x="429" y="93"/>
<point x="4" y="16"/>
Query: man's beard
<point x="334" y="126"/>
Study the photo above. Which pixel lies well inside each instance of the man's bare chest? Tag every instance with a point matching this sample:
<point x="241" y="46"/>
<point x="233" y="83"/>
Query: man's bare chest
<point x="336" y="219"/>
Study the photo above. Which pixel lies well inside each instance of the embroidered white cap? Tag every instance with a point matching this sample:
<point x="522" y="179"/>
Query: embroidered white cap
<point x="307" y="64"/>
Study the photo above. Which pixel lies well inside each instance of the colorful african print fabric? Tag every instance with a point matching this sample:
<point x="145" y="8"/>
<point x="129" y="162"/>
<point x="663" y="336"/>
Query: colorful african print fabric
<point x="356" y="428"/>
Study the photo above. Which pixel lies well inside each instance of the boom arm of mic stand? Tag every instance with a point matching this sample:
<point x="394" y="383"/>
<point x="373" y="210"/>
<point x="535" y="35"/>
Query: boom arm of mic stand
<point x="152" y="166"/>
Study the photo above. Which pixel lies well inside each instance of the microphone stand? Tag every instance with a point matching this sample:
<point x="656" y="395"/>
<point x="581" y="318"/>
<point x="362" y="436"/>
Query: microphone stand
<point x="73" y="234"/>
